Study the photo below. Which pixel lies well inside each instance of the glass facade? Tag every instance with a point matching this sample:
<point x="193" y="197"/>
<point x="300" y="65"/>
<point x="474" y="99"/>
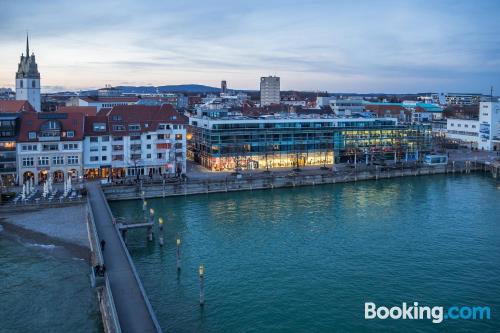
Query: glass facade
<point x="242" y="144"/>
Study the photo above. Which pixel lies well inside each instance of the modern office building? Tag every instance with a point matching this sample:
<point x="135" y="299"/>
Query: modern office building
<point x="50" y="144"/>
<point x="135" y="140"/>
<point x="238" y="142"/>
<point x="269" y="90"/>
<point x="28" y="79"/>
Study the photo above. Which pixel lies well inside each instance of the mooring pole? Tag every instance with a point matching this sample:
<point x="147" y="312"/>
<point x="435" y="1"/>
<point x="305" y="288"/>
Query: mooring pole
<point x="152" y="220"/>
<point x="160" y="223"/>
<point x="178" y="242"/>
<point x="144" y="206"/>
<point x="201" y="272"/>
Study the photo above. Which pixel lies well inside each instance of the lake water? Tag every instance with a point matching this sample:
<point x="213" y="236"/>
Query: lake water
<point x="307" y="259"/>
<point x="44" y="289"/>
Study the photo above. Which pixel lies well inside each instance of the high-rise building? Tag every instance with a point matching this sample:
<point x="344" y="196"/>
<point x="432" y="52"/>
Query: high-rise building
<point x="269" y="90"/>
<point x="28" y="79"/>
<point x="223" y="86"/>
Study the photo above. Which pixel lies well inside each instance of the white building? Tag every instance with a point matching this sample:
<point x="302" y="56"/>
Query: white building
<point x="322" y="101"/>
<point x="105" y="102"/>
<point x="50" y="144"/>
<point x="483" y="133"/>
<point x="347" y="107"/>
<point x="462" y="99"/>
<point x="489" y="125"/>
<point x="269" y="90"/>
<point x="464" y="131"/>
<point x="137" y="140"/>
<point x="28" y="80"/>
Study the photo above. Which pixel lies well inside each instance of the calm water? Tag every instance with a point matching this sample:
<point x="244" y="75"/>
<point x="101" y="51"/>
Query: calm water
<point x="43" y="289"/>
<point x="306" y="259"/>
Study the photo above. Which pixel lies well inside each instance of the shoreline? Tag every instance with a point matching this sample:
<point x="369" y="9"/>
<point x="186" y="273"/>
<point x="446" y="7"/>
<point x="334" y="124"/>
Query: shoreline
<point x="34" y="238"/>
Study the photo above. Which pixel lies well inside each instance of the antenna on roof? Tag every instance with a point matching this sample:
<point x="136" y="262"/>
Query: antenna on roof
<point x="491" y="94"/>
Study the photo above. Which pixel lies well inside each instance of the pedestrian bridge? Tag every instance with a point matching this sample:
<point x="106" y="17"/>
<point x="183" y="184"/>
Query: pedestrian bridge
<point x="131" y="304"/>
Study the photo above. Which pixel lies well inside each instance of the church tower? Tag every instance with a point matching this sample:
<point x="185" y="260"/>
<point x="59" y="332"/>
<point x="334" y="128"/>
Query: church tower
<point x="28" y="79"/>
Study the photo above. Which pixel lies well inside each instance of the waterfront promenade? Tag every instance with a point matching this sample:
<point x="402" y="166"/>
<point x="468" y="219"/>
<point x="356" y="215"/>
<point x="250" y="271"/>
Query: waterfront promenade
<point x="211" y="182"/>
<point x="132" y="306"/>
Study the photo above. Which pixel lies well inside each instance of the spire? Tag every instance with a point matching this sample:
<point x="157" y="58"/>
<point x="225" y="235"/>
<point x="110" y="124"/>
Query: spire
<point x="27" y="46"/>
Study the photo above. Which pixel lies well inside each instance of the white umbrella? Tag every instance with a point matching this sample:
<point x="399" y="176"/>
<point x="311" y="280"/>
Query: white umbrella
<point x="23" y="193"/>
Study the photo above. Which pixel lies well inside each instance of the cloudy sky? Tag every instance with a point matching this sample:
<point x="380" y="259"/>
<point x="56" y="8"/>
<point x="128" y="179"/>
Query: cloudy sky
<point x="339" y="46"/>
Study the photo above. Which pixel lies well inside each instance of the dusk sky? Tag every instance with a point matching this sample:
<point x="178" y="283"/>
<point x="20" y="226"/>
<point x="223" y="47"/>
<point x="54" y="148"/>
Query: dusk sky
<point x="338" y="46"/>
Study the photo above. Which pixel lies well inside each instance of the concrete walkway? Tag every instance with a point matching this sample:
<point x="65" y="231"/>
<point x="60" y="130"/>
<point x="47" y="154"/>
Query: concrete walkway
<point x="131" y="303"/>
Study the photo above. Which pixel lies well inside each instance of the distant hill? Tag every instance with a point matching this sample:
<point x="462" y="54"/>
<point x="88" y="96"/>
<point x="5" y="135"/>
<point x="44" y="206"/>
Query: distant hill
<point x="191" y="88"/>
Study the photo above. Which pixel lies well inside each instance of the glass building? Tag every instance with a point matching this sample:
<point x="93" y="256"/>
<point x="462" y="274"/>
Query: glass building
<point x="238" y="142"/>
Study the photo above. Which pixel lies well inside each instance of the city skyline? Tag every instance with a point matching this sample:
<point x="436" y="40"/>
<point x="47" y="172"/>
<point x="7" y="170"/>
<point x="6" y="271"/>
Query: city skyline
<point x="388" y="47"/>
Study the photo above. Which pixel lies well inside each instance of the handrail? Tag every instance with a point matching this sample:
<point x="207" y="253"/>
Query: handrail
<point x="95" y="247"/>
<point x="110" y="304"/>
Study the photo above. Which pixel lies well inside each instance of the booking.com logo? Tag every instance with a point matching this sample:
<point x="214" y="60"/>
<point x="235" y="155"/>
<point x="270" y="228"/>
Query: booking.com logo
<point x="418" y="312"/>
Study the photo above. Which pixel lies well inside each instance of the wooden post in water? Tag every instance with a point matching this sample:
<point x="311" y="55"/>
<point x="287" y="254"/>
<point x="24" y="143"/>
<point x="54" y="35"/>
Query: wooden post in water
<point x="160" y="225"/>
<point x="124" y="235"/>
<point x="144" y="206"/>
<point x="178" y="243"/>
<point x="201" y="272"/>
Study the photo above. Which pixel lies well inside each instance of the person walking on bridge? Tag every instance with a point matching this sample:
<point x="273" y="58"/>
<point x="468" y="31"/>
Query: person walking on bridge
<point x="103" y="243"/>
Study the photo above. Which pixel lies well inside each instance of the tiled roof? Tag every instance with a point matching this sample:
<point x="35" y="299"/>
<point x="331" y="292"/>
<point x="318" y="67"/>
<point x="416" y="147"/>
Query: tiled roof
<point x="32" y="122"/>
<point x="148" y="117"/>
<point x="15" y="106"/>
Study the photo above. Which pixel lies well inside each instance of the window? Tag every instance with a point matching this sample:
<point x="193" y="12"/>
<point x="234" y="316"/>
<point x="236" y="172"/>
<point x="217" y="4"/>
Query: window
<point x="116" y="118"/>
<point x="105" y="138"/>
<point x="94" y="139"/>
<point x="134" y="127"/>
<point x="159" y="156"/>
<point x="57" y="160"/>
<point x="178" y="137"/>
<point x="117" y="147"/>
<point x="148" y="146"/>
<point x="94" y="148"/>
<point x="31" y="135"/>
<point x="148" y="155"/>
<point x="104" y="158"/>
<point x="94" y="158"/>
<point x="135" y="147"/>
<point x="161" y="136"/>
<point x="21" y="82"/>
<point x="33" y="84"/>
<point x="29" y="147"/>
<point x="70" y="134"/>
<point x="72" y="160"/>
<point x="117" y="158"/>
<point x="118" y="138"/>
<point x="28" y="161"/>
<point x="135" y="157"/>
<point x="99" y="127"/>
<point x="118" y="128"/>
<point x="148" y="137"/>
<point x="135" y="137"/>
<point x="43" y="160"/>
<point x="70" y="146"/>
<point x="104" y="148"/>
<point x="51" y="147"/>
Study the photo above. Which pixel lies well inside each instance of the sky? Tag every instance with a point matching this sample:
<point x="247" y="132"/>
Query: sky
<point x="335" y="46"/>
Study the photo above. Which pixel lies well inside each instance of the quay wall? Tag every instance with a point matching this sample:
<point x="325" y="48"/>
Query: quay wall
<point x="269" y="181"/>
